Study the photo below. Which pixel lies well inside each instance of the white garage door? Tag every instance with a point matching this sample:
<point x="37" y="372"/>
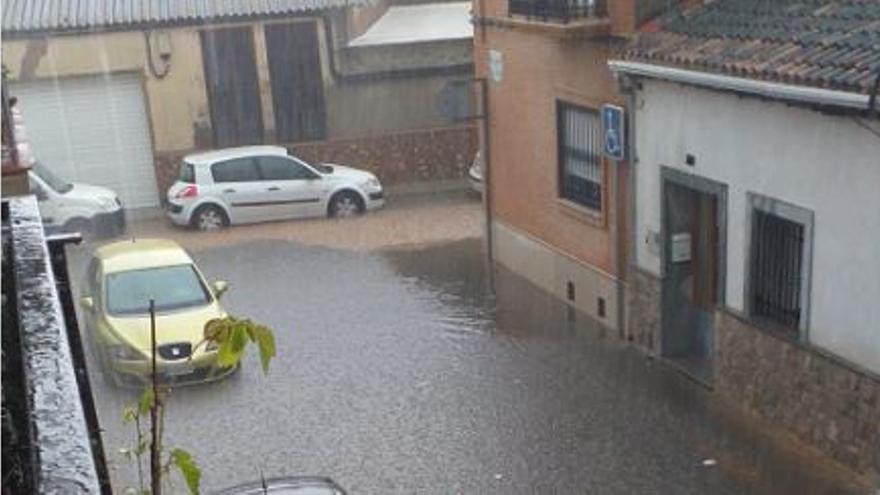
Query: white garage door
<point x="93" y="130"/>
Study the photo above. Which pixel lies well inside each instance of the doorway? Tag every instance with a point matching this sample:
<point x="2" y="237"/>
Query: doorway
<point x="233" y="91"/>
<point x="693" y="210"/>
<point x="297" y="86"/>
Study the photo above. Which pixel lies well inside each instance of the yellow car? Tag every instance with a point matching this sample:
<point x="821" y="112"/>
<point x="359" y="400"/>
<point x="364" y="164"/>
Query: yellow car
<point x="122" y="277"/>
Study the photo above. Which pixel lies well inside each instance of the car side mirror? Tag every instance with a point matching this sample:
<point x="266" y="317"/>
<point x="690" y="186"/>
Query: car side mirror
<point x="87" y="303"/>
<point x="219" y="287"/>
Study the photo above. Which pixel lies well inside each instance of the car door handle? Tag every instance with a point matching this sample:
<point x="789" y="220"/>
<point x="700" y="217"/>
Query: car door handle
<point x="273" y="188"/>
<point x="228" y="191"/>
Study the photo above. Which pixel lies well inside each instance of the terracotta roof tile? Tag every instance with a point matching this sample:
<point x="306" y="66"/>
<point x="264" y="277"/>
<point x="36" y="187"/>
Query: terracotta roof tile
<point x="831" y="44"/>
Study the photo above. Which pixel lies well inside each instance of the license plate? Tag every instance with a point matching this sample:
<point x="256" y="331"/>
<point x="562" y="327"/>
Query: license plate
<point x="178" y="370"/>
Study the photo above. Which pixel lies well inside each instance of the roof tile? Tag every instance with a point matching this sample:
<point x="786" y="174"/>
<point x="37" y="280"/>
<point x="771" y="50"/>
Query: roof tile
<point x="823" y="43"/>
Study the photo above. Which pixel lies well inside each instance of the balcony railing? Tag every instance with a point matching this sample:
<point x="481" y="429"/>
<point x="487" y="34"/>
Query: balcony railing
<point x="557" y="10"/>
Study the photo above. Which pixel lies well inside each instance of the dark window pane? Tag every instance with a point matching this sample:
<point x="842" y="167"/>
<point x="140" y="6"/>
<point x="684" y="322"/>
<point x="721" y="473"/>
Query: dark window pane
<point x="237" y="170"/>
<point x="279" y="168"/>
<point x="187" y="173"/>
<point x="776" y="251"/>
<point x="580" y="163"/>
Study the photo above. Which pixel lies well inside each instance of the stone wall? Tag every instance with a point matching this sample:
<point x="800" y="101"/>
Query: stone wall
<point x="420" y="155"/>
<point x="821" y="400"/>
<point x="643" y="307"/>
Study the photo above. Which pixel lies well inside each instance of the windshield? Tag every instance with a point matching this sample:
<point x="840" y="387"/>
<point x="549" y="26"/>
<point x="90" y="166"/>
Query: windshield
<point x="172" y="287"/>
<point x="56" y="183"/>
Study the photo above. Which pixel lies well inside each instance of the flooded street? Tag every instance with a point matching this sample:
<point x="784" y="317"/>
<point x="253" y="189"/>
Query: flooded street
<point x="398" y="372"/>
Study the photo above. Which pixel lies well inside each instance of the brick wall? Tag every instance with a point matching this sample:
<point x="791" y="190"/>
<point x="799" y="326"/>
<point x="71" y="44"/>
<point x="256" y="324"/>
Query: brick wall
<point x="815" y="397"/>
<point x="522" y="109"/>
<point x="421" y="155"/>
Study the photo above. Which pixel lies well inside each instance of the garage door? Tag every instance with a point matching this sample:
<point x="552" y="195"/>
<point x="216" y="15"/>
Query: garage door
<point x="93" y="130"/>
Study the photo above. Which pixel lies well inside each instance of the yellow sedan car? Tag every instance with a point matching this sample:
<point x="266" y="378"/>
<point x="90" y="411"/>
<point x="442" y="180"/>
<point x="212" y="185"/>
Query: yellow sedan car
<point x="122" y="278"/>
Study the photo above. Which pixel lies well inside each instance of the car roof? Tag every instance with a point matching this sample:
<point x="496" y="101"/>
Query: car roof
<point x="287" y="484"/>
<point x="138" y="254"/>
<point x="214" y="156"/>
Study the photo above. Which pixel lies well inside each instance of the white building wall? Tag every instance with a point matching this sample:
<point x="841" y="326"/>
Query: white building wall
<point x="827" y="164"/>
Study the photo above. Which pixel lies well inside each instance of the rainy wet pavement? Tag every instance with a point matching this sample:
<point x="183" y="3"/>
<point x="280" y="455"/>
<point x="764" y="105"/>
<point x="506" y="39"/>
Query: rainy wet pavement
<point x="398" y="373"/>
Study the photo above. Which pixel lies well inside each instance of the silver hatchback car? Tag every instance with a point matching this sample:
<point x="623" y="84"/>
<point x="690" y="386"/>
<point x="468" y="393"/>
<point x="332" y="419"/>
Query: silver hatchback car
<point x="261" y="183"/>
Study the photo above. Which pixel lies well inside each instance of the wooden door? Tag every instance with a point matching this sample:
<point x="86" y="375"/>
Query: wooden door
<point x="297" y="85"/>
<point x="233" y="91"/>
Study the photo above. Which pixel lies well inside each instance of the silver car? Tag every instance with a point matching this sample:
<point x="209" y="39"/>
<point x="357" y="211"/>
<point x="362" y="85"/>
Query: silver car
<point x="260" y="183"/>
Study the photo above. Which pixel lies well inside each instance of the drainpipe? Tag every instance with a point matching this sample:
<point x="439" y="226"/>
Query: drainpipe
<point x="631" y="105"/>
<point x="486" y="156"/>
<point x="624" y="261"/>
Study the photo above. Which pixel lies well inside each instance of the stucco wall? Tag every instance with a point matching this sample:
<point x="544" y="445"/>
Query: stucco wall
<point x="827" y="164"/>
<point x="174" y="103"/>
<point x="364" y="108"/>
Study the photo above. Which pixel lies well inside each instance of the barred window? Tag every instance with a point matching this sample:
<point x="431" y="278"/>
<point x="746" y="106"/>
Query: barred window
<point x="580" y="164"/>
<point x="779" y="270"/>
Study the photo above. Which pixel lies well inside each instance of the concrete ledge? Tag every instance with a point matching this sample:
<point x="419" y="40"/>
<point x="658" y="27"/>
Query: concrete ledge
<point x="62" y="452"/>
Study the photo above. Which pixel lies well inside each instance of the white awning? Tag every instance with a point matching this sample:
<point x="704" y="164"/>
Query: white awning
<point x="419" y="23"/>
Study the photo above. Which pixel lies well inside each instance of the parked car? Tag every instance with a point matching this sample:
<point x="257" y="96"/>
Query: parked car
<point x="258" y="183"/>
<point x="74" y="207"/>
<point x="295" y="485"/>
<point x="475" y="174"/>
<point x="122" y="277"/>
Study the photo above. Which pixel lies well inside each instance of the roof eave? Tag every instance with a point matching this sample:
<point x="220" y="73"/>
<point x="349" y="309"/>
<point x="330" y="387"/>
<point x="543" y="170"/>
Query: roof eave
<point x="767" y="89"/>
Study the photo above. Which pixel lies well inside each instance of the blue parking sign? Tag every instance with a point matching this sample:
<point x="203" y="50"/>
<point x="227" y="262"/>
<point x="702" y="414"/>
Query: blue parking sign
<point x="613" y="132"/>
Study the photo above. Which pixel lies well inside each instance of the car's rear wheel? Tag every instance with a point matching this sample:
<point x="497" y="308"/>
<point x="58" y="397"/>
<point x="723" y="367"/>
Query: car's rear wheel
<point x="346" y="204"/>
<point x="209" y="217"/>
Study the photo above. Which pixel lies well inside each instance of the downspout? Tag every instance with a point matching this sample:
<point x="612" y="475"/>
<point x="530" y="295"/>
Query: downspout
<point x="625" y="259"/>
<point x="631" y="105"/>
<point x="487" y="182"/>
<point x="331" y="45"/>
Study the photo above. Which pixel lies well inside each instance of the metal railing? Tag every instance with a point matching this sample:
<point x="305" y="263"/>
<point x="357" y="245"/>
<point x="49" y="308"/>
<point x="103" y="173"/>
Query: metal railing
<point x="557" y="10"/>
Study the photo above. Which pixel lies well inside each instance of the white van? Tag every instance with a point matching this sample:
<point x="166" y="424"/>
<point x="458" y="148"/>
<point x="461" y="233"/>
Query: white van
<point x="93" y="211"/>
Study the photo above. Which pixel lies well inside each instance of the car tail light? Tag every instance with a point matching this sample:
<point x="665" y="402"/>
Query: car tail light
<point x="190" y="191"/>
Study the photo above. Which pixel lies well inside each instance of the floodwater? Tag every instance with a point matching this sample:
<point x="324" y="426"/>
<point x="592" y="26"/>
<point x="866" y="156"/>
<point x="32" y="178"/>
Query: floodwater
<point x="399" y="372"/>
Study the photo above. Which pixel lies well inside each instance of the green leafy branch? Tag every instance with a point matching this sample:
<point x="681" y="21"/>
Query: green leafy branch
<point x="231" y="336"/>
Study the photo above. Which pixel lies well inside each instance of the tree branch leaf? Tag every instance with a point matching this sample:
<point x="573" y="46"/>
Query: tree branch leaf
<point x="191" y="473"/>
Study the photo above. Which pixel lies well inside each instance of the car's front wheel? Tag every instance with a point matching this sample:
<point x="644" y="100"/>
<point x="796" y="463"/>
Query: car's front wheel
<point x="209" y="217"/>
<point x="346" y="204"/>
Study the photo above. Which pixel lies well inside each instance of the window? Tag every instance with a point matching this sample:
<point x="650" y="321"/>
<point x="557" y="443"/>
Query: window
<point x="187" y="173"/>
<point x="779" y="270"/>
<point x="56" y="183"/>
<point x="279" y="168"/>
<point x="236" y="170"/>
<point x="580" y="163"/>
